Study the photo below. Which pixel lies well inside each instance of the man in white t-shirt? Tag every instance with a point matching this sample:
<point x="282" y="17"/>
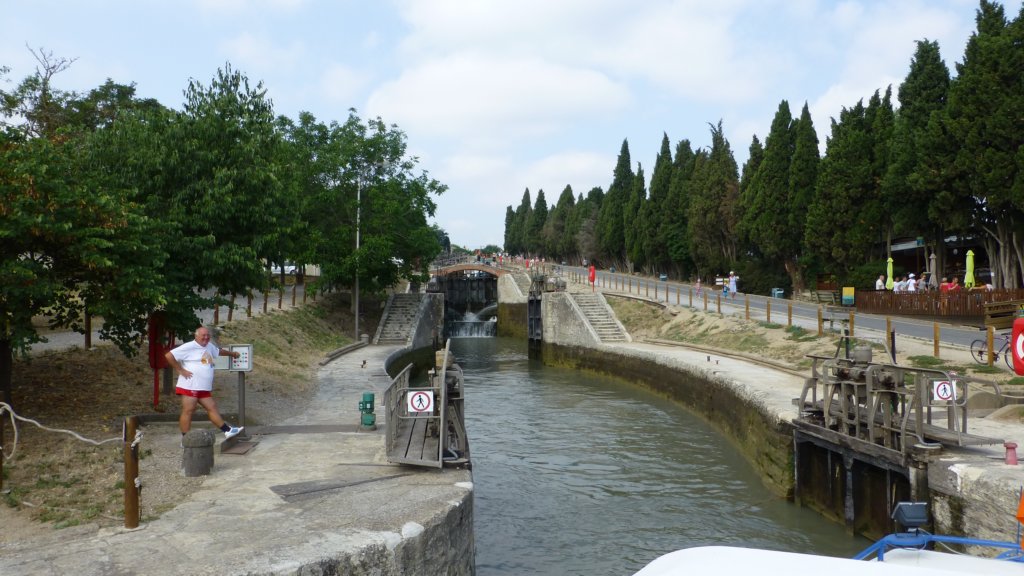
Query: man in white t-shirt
<point x="193" y="361"/>
<point x="911" y="284"/>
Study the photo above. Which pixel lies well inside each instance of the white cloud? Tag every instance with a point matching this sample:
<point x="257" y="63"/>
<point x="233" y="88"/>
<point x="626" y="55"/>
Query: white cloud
<point x="340" y="84"/>
<point x="258" y="55"/>
<point x="488" y="101"/>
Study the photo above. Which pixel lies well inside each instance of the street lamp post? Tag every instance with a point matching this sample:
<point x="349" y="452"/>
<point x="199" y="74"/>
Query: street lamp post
<point x="360" y="175"/>
<point x="359" y="202"/>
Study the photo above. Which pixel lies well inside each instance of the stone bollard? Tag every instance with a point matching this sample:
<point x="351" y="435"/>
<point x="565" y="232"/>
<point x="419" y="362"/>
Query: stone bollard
<point x="197" y="458"/>
<point x="1011" y="453"/>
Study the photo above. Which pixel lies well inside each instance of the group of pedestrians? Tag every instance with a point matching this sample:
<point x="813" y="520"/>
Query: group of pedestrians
<point x="728" y="285"/>
<point x="909" y="284"/>
<point x="903" y="284"/>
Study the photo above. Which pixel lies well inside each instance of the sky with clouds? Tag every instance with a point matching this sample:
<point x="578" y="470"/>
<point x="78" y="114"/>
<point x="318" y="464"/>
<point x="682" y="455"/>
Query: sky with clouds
<point x="497" y="97"/>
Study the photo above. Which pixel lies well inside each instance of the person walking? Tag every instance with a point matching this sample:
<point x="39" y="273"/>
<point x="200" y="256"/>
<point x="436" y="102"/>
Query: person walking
<point x="193" y="361"/>
<point x="880" y="283"/>
<point x="733" y="278"/>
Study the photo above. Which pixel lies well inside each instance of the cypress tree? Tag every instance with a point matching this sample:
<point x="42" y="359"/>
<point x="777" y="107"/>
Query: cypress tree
<point x="766" y="214"/>
<point x="633" y="224"/>
<point x="803" y="176"/>
<point x="611" y="235"/>
<point x="714" y="195"/>
<point x="674" y="224"/>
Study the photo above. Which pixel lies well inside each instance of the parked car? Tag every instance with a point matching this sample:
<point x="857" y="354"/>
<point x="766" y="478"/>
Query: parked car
<point x="289" y="268"/>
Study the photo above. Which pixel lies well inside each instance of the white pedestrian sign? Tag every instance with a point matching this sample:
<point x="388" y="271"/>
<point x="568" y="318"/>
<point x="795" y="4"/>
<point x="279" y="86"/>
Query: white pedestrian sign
<point x="944" y="390"/>
<point x="420" y="401"/>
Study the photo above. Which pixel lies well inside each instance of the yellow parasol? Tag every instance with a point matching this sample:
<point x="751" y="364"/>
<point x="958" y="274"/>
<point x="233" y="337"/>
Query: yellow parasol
<point x="969" y="276"/>
<point x="888" y="274"/>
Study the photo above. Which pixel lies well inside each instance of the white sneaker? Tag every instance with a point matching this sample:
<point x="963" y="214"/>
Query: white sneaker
<point x="235" y="431"/>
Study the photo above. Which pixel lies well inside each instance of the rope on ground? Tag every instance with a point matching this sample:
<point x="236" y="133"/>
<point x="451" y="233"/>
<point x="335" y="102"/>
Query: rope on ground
<point x="6" y="408"/>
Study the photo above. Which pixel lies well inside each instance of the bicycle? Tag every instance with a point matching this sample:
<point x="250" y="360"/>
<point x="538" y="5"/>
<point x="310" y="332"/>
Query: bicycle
<point x="979" y="350"/>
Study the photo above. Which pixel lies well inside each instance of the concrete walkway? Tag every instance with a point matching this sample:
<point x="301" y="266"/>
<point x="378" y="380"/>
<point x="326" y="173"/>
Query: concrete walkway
<point x="305" y="503"/>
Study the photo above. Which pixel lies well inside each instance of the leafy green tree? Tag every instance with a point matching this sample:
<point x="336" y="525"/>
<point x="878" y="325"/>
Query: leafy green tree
<point x="74" y="243"/>
<point x="371" y="191"/>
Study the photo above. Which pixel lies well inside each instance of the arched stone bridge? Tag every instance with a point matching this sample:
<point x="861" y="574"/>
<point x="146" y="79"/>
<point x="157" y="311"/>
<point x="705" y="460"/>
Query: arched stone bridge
<point x="446" y="270"/>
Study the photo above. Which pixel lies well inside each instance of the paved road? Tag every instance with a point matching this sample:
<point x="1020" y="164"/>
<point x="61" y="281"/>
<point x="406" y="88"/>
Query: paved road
<point x="805" y="314"/>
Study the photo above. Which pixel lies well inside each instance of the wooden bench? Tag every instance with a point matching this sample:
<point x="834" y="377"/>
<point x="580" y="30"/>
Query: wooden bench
<point x="827" y="297"/>
<point x="1000" y="315"/>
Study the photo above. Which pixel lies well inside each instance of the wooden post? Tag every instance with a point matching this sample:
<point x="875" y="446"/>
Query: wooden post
<point x="718" y="302"/>
<point x="677" y="296"/>
<point x="789" y="314"/>
<point x="131" y="473"/>
<point x="888" y="326"/>
<point x="655" y="292"/>
<point x="768" y="311"/>
<point x="705" y="301"/>
<point x="266" y="296"/>
<point x="851" y="323"/>
<point x="691" y="297"/>
<point x="231" y="308"/>
<point x="990" y="338"/>
<point x="248" y="304"/>
<point x="303" y="292"/>
<point x="280" y="297"/>
<point x="647" y="286"/>
<point x="935" y="331"/>
<point x="216" y="314"/>
<point x="295" y="288"/>
<point x="746" y="306"/>
<point x="821" y="323"/>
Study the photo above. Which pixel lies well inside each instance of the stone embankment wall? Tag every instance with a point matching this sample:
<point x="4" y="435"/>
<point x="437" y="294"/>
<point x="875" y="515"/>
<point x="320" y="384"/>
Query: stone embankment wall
<point x="511" y="308"/>
<point x="429" y="322"/>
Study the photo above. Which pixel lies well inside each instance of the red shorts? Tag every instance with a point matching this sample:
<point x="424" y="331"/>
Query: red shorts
<point x="193" y="393"/>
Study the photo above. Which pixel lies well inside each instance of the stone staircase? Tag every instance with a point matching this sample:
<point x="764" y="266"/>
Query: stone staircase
<point x="600" y="317"/>
<point x="399" y="319"/>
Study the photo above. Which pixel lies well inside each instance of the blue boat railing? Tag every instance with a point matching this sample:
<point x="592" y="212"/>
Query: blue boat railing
<point x="921" y="539"/>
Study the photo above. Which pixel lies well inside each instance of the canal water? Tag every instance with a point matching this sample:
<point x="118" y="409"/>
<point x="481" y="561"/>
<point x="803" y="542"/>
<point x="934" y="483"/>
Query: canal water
<point x="580" y="474"/>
